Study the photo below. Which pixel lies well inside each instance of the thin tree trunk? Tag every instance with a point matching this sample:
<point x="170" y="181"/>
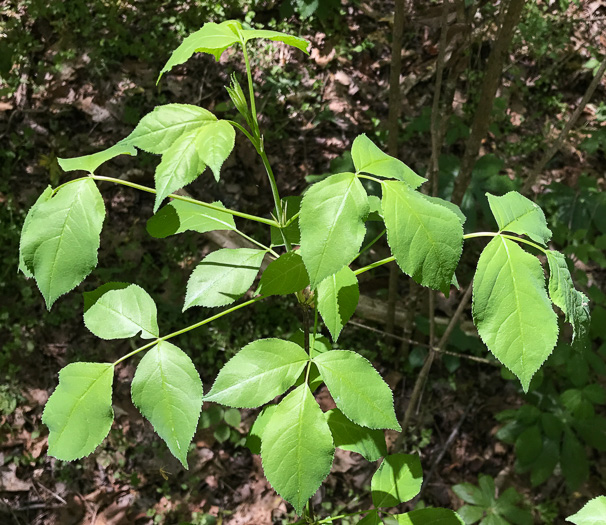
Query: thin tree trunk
<point x="492" y="77"/>
<point x="550" y="152"/>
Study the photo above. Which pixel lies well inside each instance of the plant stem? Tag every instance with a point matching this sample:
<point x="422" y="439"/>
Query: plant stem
<point x="341" y="516"/>
<point x="191" y="327"/>
<point x="371" y="243"/>
<point x="368" y="177"/>
<point x="245" y="132"/>
<point x="184" y="199"/>
<point x="251" y="90"/>
<point x="510" y="237"/>
<point x="374" y="265"/>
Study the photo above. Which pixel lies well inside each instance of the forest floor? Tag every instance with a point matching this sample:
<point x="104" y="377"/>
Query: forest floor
<point x="312" y="108"/>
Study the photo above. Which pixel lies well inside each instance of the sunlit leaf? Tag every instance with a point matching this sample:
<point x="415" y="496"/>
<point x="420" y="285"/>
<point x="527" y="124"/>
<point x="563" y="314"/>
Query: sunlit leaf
<point x="259" y="372"/>
<point x="511" y="308"/>
<point x="398" y="479"/>
<point x="25" y="244"/>
<point x="168" y="392"/>
<point x="118" y="314"/>
<point x="338" y="297"/>
<point x="255" y="435"/>
<point x="222" y="277"/>
<point x="91" y="162"/>
<point x="276" y="36"/>
<point x="297" y="448"/>
<point x="347" y="435"/>
<point x="592" y="513"/>
<point x="60" y="239"/>
<point x="79" y="413"/>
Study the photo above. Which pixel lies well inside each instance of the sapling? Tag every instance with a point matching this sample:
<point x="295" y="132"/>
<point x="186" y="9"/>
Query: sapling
<point x="314" y="241"/>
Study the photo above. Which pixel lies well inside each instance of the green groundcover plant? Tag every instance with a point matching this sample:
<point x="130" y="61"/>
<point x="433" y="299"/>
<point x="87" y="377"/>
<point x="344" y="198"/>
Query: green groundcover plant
<point x="313" y="242"/>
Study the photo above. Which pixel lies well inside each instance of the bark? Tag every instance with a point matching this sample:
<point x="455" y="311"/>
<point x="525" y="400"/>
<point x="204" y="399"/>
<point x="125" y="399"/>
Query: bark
<point x="492" y="77"/>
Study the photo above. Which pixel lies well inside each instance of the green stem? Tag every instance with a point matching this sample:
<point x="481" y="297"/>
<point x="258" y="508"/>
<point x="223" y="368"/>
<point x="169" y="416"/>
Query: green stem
<point x="251" y="90"/>
<point x="341" y="516"/>
<point x="374" y="265"/>
<point x="370" y="244"/>
<point x="186" y="199"/>
<point x="360" y="176"/>
<point x="291" y="220"/>
<point x="191" y="327"/>
<point x="506" y="236"/>
<point x="245" y="132"/>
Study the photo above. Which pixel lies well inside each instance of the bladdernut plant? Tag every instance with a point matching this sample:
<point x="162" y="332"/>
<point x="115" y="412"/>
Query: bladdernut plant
<point x="512" y="308"/>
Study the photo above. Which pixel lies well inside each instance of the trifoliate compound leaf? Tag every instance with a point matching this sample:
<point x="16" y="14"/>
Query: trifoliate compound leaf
<point x="433" y="516"/>
<point x="168" y="392"/>
<point x="118" y="314"/>
<point x="211" y="38"/>
<point x="515" y="213"/>
<point x="180" y="216"/>
<point x="276" y="36"/>
<point x="368" y="158"/>
<point x="25" y="244"/>
<point x="592" y="513"/>
<point x="91" y="162"/>
<point x="159" y="130"/>
<point x="398" y="479"/>
<point x="297" y="448"/>
<point x="59" y="243"/>
<point x="358" y="389"/>
<point x="573" y="303"/>
<point x="349" y="436"/>
<point x="79" y="413"/>
<point x="222" y="277"/>
<point x="425" y="238"/>
<point x="285" y="275"/>
<point x="255" y="435"/>
<point x="332" y="225"/>
<point x="511" y="309"/>
<point x="262" y="370"/>
<point x="338" y="297"/>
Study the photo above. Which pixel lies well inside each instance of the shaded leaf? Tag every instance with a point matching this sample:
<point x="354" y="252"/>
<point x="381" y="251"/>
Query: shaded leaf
<point x="358" y="389"/>
<point x="349" y="436"/>
<point x="430" y="516"/>
<point x="337" y="300"/>
<point x="573" y="460"/>
<point x="262" y="370"/>
<point x="255" y="435"/>
<point x="297" y="448"/>
<point x="332" y="225"/>
<point x="284" y="276"/>
<point x="372" y="518"/>
<point x="398" y="479"/>
<point x="79" y="413"/>
<point x="222" y="277"/>
<point x="291" y="206"/>
<point x="119" y="314"/>
<point x="180" y="216"/>
<point x="511" y="309"/>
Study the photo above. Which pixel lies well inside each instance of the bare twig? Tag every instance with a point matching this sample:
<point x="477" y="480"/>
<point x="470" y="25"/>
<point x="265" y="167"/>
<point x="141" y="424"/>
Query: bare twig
<point x="550" y="152"/>
<point x="481" y="121"/>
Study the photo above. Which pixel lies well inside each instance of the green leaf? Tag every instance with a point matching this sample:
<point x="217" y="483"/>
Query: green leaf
<point x="349" y="436"/>
<point x="290" y="206"/>
<point x="211" y="38"/>
<point x="25" y="244"/>
<point x="358" y="389"/>
<point x="398" y="479"/>
<point x="215" y="143"/>
<point x="222" y="277"/>
<point x="338" y="297"/>
<point x="470" y="514"/>
<point x="79" y="413"/>
<point x="118" y="314"/>
<point x="429" y="516"/>
<point x="573" y="303"/>
<point x="262" y="370"/>
<point x="372" y="518"/>
<point x="592" y="513"/>
<point x="180" y="216"/>
<point x="543" y="466"/>
<point x="528" y="447"/>
<point x="448" y="205"/>
<point x="276" y="36"/>
<point x="425" y="238"/>
<point x="91" y="162"/>
<point x="469" y="493"/>
<point x="368" y="158"/>
<point x="284" y="276"/>
<point x="332" y="225"/>
<point x="188" y="156"/>
<point x="511" y="308"/>
<point x="168" y="392"/>
<point x="60" y="241"/>
<point x="159" y="130"/>
<point x="515" y="213"/>
<point x="573" y="460"/>
<point x="233" y="418"/>
<point x="297" y="448"/>
<point x="255" y="435"/>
